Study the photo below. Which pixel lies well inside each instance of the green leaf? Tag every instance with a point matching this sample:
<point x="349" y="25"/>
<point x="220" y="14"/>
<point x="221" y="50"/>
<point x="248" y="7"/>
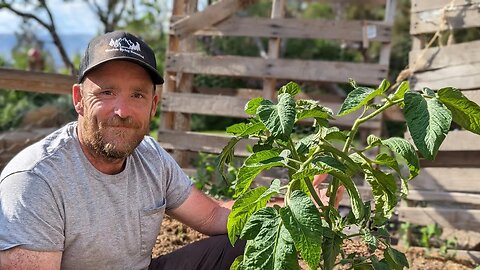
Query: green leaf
<point x="279" y="119"/>
<point x="302" y="220"/>
<point x="304" y="144"/>
<point x="465" y="112"/>
<point x="246" y="205"/>
<point x="237" y="264"/>
<point x="428" y="122"/>
<point x="291" y="88"/>
<point x="407" y="151"/>
<point x="379" y="265"/>
<point x="370" y="240"/>
<point x="383" y="189"/>
<point x="395" y="259"/>
<point x="272" y="247"/>
<point x="246" y="129"/>
<point x="253" y="165"/>
<point x="401" y="90"/>
<point x="253" y="104"/>
<point x="226" y="155"/>
<point x="373" y="140"/>
<point x="311" y="109"/>
<point x="330" y="249"/>
<point x="361" y="96"/>
<point x="386" y="160"/>
<point x="336" y="169"/>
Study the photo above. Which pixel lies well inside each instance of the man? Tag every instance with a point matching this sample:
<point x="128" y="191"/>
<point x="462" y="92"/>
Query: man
<point x="92" y="195"/>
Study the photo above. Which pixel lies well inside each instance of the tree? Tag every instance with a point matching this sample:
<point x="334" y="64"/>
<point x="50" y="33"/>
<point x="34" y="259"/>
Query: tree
<point x="109" y="13"/>
<point x="40" y="7"/>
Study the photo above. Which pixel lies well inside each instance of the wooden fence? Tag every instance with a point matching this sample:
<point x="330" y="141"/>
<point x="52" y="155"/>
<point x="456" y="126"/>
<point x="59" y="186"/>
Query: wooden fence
<point x="450" y="187"/>
<point x="181" y="98"/>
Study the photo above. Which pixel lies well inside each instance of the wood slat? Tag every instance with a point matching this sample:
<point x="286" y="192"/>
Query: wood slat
<point x="305" y="70"/>
<point x="300" y="28"/>
<point x="355" y="2"/>
<point x="457" y="140"/>
<point x="424" y="5"/>
<point x="441" y="57"/>
<point x="199" y="142"/>
<point x="209" y="16"/>
<point x="36" y="81"/>
<point x="466" y="219"/>
<point x="459" y="159"/>
<point x="450" y="197"/>
<point x="234" y="107"/>
<point x="430" y="21"/>
<point x="462" y="76"/>
<point x="447" y="180"/>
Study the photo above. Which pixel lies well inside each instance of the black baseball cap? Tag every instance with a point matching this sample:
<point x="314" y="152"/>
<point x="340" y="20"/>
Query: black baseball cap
<point x="119" y="46"/>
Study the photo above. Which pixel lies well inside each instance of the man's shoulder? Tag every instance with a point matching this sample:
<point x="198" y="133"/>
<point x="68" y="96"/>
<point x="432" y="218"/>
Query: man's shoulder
<point x="42" y="151"/>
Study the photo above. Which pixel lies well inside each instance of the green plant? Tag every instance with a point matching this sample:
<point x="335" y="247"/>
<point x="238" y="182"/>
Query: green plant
<point x="429" y="233"/>
<point x="277" y="235"/>
<point x="208" y="178"/>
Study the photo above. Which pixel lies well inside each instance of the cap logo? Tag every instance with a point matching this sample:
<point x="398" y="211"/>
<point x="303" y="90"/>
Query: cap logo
<point x="125" y="45"/>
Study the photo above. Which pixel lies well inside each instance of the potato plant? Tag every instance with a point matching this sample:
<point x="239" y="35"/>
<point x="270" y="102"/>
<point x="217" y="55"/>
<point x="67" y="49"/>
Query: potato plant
<point x="277" y="237"/>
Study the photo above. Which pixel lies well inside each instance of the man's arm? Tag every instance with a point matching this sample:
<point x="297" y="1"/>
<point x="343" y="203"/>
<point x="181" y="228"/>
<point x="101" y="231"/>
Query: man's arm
<point x="209" y="216"/>
<point x="22" y="259"/>
<point x="203" y="213"/>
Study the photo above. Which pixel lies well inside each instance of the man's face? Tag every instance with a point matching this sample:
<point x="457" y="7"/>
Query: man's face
<point x="116" y="105"/>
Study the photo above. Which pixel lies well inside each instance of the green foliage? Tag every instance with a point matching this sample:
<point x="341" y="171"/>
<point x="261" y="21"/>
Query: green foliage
<point x="208" y="178"/>
<point x="277" y="235"/>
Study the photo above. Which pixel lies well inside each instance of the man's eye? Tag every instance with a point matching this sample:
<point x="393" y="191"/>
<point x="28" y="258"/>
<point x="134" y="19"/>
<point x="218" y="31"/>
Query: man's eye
<point x="138" y="95"/>
<point x="106" y="92"/>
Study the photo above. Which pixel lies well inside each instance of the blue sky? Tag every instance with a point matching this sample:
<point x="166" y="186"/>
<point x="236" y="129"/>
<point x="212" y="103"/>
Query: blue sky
<point x="70" y="17"/>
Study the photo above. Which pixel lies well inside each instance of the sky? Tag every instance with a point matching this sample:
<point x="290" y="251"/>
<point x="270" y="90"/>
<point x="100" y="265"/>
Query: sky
<point x="70" y="17"/>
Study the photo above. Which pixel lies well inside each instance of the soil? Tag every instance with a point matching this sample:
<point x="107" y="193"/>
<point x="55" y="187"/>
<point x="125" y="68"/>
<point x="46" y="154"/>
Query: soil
<point x="174" y="235"/>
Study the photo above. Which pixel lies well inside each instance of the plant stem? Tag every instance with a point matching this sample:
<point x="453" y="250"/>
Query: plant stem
<point x="362" y="120"/>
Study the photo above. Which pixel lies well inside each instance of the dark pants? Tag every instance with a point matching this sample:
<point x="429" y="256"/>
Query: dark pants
<point x="213" y="253"/>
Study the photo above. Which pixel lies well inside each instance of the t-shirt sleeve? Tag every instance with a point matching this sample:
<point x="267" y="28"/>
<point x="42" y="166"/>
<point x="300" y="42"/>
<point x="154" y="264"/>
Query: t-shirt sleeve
<point x="29" y="214"/>
<point x="178" y="184"/>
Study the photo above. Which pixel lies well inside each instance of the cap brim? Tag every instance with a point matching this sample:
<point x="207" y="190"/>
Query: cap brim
<point x="156" y="78"/>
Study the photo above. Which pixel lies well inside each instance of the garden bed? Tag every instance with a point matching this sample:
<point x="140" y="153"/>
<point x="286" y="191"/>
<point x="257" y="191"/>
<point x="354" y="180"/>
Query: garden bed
<point x="175" y="235"/>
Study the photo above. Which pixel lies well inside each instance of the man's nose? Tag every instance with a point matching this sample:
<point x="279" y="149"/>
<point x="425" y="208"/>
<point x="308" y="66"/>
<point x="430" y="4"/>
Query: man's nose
<point x="122" y="108"/>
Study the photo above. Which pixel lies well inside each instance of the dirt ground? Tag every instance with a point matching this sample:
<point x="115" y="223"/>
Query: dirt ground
<point x="175" y="235"/>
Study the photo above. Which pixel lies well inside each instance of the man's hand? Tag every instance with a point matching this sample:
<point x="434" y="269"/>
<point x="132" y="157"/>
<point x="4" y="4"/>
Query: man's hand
<point x="322" y="192"/>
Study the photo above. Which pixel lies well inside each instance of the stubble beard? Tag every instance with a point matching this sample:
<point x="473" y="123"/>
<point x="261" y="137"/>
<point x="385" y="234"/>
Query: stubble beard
<point x="111" y="139"/>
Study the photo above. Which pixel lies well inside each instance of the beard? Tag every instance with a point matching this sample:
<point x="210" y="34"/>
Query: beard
<point x="115" y="138"/>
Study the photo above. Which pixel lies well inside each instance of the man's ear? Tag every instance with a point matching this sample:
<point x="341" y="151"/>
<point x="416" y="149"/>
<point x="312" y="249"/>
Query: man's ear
<point x="77" y="98"/>
<point x="157" y="93"/>
<point x="154" y="105"/>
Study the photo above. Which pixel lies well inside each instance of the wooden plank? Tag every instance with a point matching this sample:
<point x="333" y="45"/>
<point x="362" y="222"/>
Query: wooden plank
<point x="36" y="81"/>
<point x="305" y="70"/>
<point x="269" y="84"/>
<point x="447" y="179"/>
<point x="199" y="142"/>
<point x="204" y="104"/>
<point x="441" y="57"/>
<point x="424" y="5"/>
<point x="460" y="159"/>
<point x="457" y="140"/>
<point x="209" y="16"/>
<point x="300" y="28"/>
<point x="355" y="2"/>
<point x="466" y="219"/>
<point x="462" y="76"/>
<point x="430" y="21"/>
<point x="450" y="197"/>
<point x="234" y="107"/>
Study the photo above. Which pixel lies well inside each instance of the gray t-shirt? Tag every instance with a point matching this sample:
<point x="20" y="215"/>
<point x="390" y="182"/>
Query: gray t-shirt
<point x="53" y="199"/>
